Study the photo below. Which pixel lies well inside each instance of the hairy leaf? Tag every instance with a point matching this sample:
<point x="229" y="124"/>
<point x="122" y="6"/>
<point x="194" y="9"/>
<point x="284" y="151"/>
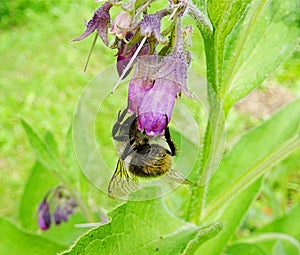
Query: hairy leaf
<point x="223" y="15"/>
<point x="143" y="227"/>
<point x="267" y="34"/>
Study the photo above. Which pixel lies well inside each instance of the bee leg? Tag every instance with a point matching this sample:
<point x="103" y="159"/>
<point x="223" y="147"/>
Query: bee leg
<point x="127" y="151"/>
<point x="117" y="125"/>
<point x="170" y="142"/>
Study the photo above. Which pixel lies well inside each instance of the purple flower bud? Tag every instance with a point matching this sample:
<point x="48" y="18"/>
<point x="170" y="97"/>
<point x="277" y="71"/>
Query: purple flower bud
<point x="44" y="218"/>
<point x="60" y="214"/>
<point x="150" y="25"/>
<point x="63" y="203"/>
<point x="99" y="21"/>
<point x="121" y="25"/>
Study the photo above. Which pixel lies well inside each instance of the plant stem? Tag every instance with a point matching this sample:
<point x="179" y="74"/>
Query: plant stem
<point x="214" y="135"/>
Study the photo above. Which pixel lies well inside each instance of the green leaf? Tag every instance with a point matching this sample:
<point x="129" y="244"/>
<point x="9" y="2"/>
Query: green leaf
<point x="15" y="241"/>
<point x="267" y="34"/>
<point x="223" y="15"/>
<point x="143" y="227"/>
<point x="43" y="151"/>
<point x="39" y="182"/>
<point x="254" y="154"/>
<point x="231" y="214"/>
<point x="244" y="249"/>
<point x="50" y="141"/>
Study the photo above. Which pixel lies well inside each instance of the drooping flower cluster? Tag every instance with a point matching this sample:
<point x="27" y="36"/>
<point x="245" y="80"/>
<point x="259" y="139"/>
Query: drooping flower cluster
<point x="55" y="207"/>
<point x="160" y="57"/>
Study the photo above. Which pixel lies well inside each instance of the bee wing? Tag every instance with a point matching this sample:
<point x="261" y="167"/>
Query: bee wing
<point x="175" y="176"/>
<point x="121" y="183"/>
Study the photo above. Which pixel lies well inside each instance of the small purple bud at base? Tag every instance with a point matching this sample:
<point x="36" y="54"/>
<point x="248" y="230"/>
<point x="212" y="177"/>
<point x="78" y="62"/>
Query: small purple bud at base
<point x="44" y="218"/>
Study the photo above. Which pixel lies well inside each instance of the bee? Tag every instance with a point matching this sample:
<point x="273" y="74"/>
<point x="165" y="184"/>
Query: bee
<point x="140" y="156"/>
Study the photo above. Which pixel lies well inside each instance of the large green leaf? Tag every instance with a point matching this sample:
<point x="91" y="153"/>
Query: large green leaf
<point x="143" y="227"/>
<point x="231" y="215"/>
<point x="254" y="154"/>
<point x="267" y="34"/>
<point x="15" y="241"/>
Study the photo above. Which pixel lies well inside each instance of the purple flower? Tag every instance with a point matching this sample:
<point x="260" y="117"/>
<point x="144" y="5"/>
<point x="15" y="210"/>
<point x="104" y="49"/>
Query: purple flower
<point x="44" y="218"/>
<point x="99" y="21"/>
<point x="156" y="107"/>
<point x="154" y="88"/>
<point x="64" y="205"/>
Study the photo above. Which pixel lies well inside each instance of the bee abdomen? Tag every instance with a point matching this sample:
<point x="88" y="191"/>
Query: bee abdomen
<point x="155" y="163"/>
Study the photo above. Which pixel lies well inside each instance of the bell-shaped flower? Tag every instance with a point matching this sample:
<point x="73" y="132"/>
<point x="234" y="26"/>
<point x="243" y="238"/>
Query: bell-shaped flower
<point x="157" y="106"/>
<point x="44" y="217"/>
<point x="154" y="88"/>
<point x="100" y="22"/>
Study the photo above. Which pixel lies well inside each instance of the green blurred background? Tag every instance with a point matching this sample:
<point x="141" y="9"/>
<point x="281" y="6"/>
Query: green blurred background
<point x="41" y="79"/>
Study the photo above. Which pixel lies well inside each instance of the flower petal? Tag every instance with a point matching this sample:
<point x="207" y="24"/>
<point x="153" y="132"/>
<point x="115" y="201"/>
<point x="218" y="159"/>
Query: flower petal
<point x="99" y="21"/>
<point x="156" y="108"/>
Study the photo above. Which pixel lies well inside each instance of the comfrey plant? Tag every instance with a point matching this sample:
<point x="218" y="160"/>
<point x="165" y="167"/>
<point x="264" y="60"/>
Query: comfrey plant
<point x="160" y="76"/>
<point x="242" y="42"/>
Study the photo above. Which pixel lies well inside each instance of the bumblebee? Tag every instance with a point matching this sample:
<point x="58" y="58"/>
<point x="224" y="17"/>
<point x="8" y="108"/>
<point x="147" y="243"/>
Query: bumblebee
<point x="139" y="156"/>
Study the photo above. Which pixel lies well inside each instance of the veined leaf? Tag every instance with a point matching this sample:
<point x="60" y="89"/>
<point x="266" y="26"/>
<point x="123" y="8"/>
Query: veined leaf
<point x="267" y="34"/>
<point x="254" y="154"/>
<point x="143" y="227"/>
<point x="15" y="241"/>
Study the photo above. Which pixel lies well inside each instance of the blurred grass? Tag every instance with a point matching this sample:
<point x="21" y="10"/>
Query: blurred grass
<point x="42" y="78"/>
